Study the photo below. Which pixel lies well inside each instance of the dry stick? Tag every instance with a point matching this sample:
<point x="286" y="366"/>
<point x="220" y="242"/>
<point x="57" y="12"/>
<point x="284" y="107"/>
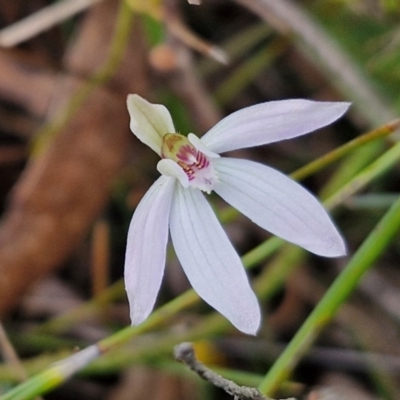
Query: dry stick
<point x="184" y="352"/>
<point x="41" y="21"/>
<point x="290" y="19"/>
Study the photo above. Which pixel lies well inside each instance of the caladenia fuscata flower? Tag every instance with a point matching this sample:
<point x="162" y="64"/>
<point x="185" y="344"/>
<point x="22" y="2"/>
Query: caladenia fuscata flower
<point x="175" y="203"/>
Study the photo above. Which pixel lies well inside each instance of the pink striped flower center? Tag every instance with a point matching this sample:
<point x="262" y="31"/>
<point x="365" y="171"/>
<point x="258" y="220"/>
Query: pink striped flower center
<point x="196" y="165"/>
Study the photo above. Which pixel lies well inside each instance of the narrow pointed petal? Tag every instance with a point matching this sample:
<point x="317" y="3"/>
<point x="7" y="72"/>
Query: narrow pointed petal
<point x="149" y="122"/>
<point x="279" y="205"/>
<point x="210" y="262"/>
<point x="146" y="248"/>
<point x="271" y="122"/>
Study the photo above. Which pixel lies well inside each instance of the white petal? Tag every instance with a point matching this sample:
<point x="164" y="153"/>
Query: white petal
<point x="149" y="122"/>
<point x="278" y="204"/>
<point x="271" y="122"/>
<point x="146" y="248"/>
<point x="210" y="262"/>
<point x="170" y="168"/>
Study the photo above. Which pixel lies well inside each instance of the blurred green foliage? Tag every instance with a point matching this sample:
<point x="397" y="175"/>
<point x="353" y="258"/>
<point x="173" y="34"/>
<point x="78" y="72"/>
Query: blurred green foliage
<point x="370" y="33"/>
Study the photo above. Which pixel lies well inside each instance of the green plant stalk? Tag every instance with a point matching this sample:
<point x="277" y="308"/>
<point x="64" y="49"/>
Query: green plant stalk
<point x="32" y="366"/>
<point x="119" y="42"/>
<point x="343" y="286"/>
<point x="372" y="171"/>
<point x="49" y="379"/>
<point x="340" y="152"/>
<point x="351" y="166"/>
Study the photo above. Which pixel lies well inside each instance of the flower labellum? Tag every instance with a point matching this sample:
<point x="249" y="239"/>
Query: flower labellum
<point x="196" y="165"/>
<point x="175" y="203"/>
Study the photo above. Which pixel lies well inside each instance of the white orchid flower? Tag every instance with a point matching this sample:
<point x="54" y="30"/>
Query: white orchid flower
<point x="174" y="203"/>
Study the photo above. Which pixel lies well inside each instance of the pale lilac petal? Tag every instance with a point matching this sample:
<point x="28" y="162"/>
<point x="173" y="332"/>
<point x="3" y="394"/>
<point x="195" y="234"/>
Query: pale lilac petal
<point x="149" y="122"/>
<point x="210" y="262"/>
<point x="278" y="204"/>
<point x="146" y="248"/>
<point x="170" y="168"/>
<point x="271" y="122"/>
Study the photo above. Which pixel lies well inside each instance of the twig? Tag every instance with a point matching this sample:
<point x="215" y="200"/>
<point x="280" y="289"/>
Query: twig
<point x="184" y="352"/>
